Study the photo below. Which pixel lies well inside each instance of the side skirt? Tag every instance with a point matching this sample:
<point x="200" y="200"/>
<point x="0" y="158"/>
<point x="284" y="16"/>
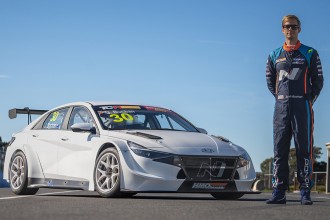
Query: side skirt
<point x="57" y="183"/>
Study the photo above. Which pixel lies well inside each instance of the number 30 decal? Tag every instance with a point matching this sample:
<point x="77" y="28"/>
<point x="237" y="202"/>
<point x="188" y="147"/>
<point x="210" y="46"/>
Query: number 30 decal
<point x="121" y="117"/>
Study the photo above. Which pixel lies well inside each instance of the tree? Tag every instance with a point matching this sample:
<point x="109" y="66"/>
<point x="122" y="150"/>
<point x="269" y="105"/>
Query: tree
<point x="293" y="160"/>
<point x="320" y="166"/>
<point x="266" y="166"/>
<point x="2" y="144"/>
<point x="317" y="153"/>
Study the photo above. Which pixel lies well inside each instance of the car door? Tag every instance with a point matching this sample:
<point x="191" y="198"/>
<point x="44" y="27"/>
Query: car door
<point x="45" y="140"/>
<point x="76" y="160"/>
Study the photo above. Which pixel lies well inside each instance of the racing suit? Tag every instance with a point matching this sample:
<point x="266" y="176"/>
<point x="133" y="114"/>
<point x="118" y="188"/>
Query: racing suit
<point x="294" y="76"/>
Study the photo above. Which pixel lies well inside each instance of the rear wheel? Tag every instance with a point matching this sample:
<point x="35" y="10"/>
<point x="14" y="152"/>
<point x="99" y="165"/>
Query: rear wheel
<point x="18" y="175"/>
<point x="227" y="196"/>
<point x="107" y="173"/>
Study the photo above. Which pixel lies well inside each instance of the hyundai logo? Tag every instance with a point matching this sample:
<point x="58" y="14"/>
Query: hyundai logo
<point x="207" y="150"/>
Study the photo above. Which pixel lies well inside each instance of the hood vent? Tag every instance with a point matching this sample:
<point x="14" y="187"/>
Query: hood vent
<point x="221" y="138"/>
<point x="140" y="134"/>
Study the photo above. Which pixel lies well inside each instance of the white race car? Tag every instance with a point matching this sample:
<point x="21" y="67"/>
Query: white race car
<point x="120" y="150"/>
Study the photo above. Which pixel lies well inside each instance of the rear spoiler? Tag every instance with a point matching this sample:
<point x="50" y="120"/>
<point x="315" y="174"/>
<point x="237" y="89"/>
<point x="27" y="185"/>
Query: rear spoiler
<point x="25" y="111"/>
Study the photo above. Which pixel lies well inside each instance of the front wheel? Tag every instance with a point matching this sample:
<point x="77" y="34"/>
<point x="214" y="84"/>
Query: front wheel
<point x="107" y="173"/>
<point x="227" y="196"/>
<point x="18" y="175"/>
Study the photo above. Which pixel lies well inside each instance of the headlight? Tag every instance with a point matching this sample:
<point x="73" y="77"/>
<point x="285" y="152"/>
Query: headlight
<point x="144" y="152"/>
<point x="154" y="155"/>
<point x="244" y="160"/>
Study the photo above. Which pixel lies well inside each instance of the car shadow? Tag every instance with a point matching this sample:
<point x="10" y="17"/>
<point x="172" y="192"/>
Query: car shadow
<point x="153" y="197"/>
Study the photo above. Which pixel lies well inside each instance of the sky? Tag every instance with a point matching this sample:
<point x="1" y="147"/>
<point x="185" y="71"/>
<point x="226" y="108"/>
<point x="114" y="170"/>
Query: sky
<point x="205" y="60"/>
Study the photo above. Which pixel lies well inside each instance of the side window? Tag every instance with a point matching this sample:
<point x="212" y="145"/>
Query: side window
<point x="80" y="115"/>
<point x="55" y="119"/>
<point x="139" y="119"/>
<point x="176" y="126"/>
<point x="163" y="121"/>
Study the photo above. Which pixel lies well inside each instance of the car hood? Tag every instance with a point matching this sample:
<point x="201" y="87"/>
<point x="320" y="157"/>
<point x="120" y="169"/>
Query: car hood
<point x="180" y="142"/>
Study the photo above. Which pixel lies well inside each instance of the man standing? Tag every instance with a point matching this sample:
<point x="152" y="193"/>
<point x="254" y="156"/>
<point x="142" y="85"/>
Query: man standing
<point x="294" y="76"/>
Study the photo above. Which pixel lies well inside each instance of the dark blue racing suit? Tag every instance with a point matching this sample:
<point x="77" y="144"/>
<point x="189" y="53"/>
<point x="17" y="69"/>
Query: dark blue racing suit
<point x="294" y="76"/>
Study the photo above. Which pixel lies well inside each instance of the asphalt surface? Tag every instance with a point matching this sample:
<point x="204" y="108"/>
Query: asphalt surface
<point x="63" y="204"/>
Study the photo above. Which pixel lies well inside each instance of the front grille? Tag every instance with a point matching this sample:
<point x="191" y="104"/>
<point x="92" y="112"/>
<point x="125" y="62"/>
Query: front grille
<point x="209" y="168"/>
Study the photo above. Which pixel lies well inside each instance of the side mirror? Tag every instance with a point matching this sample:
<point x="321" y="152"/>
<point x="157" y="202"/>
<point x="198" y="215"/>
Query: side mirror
<point x="83" y="127"/>
<point x="201" y="130"/>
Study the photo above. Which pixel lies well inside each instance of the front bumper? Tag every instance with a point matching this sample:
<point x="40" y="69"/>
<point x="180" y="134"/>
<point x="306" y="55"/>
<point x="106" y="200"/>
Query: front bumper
<point x="195" y="174"/>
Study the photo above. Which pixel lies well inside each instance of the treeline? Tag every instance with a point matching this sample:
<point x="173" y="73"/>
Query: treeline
<point x="3" y="145"/>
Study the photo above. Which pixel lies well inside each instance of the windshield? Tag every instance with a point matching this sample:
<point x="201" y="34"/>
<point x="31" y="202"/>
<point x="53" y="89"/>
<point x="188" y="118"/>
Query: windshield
<point x="141" y="117"/>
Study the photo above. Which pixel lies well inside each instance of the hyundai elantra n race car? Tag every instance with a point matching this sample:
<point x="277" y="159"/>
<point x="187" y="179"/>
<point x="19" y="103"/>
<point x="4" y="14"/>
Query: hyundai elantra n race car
<point x="120" y="150"/>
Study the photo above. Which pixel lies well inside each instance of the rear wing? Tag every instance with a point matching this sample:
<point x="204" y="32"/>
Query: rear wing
<point x="12" y="113"/>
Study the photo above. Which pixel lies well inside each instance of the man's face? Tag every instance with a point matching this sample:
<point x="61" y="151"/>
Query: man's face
<point x="290" y="29"/>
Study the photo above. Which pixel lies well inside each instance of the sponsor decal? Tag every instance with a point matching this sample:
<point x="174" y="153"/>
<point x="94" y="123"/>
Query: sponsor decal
<point x="116" y="112"/>
<point x="130" y="107"/>
<point x="54" y="116"/>
<point x="120" y="107"/>
<point x="50" y="183"/>
<point x="310" y="50"/>
<point x="294" y="74"/>
<point x="109" y="107"/>
<point x="156" y="109"/>
<point x="209" y="185"/>
<point x="276" y="181"/>
<point x="207" y="150"/>
<point x="281" y="60"/>
<point x="122" y="111"/>
<point x="53" y="126"/>
<point x="307" y="172"/>
<point x="298" y="61"/>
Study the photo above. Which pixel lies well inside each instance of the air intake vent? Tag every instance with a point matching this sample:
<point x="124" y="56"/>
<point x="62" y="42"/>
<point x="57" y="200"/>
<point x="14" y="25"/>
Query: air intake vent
<point x="181" y="175"/>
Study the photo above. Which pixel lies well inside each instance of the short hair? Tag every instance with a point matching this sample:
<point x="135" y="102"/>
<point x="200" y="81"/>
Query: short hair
<point x="287" y="17"/>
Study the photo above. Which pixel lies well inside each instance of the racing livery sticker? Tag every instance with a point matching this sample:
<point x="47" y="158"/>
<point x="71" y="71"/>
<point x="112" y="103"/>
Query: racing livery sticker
<point x="55" y="115"/>
<point x="121" y="117"/>
<point x="150" y="108"/>
<point x="110" y="107"/>
<point x="223" y="186"/>
<point x="209" y="185"/>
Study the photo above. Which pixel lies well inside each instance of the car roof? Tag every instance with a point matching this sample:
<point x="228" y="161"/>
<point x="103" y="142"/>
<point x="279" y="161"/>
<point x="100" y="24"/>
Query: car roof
<point x="110" y="103"/>
<point x="95" y="103"/>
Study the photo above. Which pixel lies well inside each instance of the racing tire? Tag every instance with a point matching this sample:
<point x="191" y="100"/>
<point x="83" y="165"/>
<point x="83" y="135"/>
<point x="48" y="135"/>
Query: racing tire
<point x="227" y="196"/>
<point x="107" y="173"/>
<point x="18" y="175"/>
